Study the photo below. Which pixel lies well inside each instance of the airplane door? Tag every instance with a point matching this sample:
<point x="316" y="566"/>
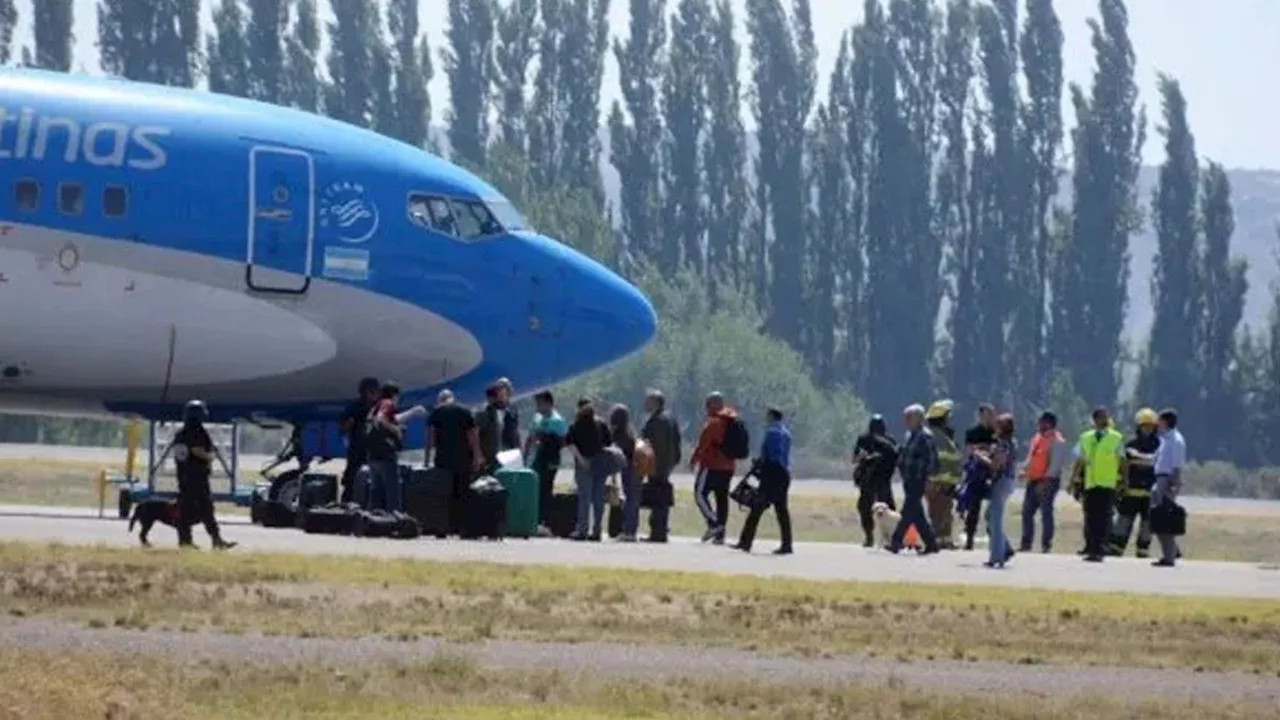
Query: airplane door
<point x="281" y="220"/>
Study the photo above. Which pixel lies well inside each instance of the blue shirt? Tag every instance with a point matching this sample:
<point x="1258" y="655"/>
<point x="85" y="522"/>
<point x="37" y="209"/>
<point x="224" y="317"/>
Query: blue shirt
<point x="776" y="447"/>
<point x="1172" y="453"/>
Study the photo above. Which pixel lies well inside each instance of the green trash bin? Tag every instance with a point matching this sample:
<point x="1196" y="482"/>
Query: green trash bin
<point x="522" y="501"/>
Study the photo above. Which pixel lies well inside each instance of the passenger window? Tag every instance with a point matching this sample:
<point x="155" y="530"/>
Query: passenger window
<point x="26" y="195"/>
<point x="70" y="199"/>
<point x="474" y="219"/>
<point x="115" y="201"/>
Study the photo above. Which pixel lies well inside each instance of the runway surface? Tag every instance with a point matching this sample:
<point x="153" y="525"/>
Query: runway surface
<point x="659" y="661"/>
<point x="114" y="457"/>
<point x="812" y="561"/>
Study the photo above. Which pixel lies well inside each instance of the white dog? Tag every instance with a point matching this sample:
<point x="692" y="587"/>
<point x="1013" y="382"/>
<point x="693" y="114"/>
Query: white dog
<point x="886" y="522"/>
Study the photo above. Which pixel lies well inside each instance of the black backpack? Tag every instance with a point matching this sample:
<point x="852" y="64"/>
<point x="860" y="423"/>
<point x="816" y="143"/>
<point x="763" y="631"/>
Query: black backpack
<point x="736" y="443"/>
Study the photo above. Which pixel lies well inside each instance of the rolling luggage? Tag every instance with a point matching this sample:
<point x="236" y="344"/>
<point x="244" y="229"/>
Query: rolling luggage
<point x="522" y="501"/>
<point x="330" y="519"/>
<point x="485" y="510"/>
<point x="383" y="524"/>
<point x="428" y="496"/>
<point x="563" y="514"/>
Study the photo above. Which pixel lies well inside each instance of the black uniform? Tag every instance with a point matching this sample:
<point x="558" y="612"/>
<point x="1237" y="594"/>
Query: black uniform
<point x="981" y="436"/>
<point x="874" y="478"/>
<point x="195" y="496"/>
<point x="1134" y="500"/>
<point x="357" y="415"/>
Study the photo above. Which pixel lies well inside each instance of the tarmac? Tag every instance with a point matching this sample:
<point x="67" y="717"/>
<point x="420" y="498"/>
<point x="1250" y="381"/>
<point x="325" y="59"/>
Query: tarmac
<point x="811" y="561"/>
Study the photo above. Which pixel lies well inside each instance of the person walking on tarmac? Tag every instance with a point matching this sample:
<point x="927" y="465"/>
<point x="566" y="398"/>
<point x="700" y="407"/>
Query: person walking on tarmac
<point x="774" y="466"/>
<point x="941" y="491"/>
<point x="1171" y="456"/>
<point x="979" y="444"/>
<point x="875" y="456"/>
<point x="1133" y="500"/>
<point x="1100" y="457"/>
<point x="722" y="442"/>
<point x="193" y="454"/>
<point x="917" y="460"/>
<point x="1046" y="458"/>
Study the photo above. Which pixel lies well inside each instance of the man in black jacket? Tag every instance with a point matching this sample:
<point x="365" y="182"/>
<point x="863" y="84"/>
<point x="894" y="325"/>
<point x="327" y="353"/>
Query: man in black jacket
<point x="662" y="432"/>
<point x="353" y="426"/>
<point x="874" y="457"/>
<point x="917" y="460"/>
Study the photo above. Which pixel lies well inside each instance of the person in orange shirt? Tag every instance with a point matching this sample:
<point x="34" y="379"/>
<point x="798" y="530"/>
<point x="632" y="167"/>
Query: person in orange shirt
<point x="721" y="444"/>
<point x="1046" y="460"/>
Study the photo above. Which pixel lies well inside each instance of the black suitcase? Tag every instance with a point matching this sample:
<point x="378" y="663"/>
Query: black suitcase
<point x="485" y="514"/>
<point x="383" y="524"/>
<point x="330" y="519"/>
<point x="275" y="514"/>
<point x="1169" y="518"/>
<point x="317" y="490"/>
<point x="428" y="496"/>
<point x="563" y="514"/>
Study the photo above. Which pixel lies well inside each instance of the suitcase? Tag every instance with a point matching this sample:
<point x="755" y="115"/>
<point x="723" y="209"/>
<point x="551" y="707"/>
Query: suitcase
<point x="563" y="514"/>
<point x="1169" y="518"/>
<point x="428" y="497"/>
<point x="383" y="524"/>
<point x="275" y="514"/>
<point x="327" y="520"/>
<point x="318" y="489"/>
<point x="484" y="511"/>
<point x="522" y="501"/>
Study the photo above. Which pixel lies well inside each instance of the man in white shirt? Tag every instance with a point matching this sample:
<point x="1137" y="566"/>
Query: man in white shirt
<point x="1171" y="456"/>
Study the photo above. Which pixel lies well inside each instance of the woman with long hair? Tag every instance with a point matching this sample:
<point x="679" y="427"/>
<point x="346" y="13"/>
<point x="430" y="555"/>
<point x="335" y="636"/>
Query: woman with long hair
<point x="624" y="436"/>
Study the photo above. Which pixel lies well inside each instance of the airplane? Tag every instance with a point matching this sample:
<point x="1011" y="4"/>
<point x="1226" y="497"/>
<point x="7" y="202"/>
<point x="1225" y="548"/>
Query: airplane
<point x="161" y="244"/>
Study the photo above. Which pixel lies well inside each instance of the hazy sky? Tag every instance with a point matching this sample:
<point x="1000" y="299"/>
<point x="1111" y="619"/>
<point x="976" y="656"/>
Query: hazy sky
<point x="1223" y="51"/>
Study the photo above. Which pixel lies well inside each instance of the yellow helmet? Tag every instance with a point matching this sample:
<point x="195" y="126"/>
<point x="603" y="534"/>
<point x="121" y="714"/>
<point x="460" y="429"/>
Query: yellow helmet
<point x="1145" y="416"/>
<point x="939" y="409"/>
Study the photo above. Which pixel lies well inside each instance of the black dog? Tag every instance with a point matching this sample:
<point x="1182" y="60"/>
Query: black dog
<point x="150" y="512"/>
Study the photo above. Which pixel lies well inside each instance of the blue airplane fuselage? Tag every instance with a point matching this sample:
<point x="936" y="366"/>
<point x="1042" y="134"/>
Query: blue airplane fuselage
<point x="162" y="244"/>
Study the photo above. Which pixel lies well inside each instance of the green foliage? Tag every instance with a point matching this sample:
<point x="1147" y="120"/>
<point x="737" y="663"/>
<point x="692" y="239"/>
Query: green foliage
<point x="699" y="349"/>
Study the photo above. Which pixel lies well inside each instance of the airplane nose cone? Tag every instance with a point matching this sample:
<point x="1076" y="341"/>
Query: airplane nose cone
<point x="606" y="318"/>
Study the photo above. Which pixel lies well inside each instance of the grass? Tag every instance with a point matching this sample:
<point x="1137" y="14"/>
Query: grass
<point x="1242" y="538"/>
<point x="404" y="599"/>
<point x="83" y="684"/>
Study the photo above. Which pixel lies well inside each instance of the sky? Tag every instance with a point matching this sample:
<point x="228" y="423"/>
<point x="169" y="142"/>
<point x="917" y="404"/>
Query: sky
<point x="1222" y="51"/>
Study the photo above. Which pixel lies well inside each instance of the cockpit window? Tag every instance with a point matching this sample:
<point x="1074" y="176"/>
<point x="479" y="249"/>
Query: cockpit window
<point x="432" y="213"/>
<point x="507" y="215"/>
<point x="474" y="219"/>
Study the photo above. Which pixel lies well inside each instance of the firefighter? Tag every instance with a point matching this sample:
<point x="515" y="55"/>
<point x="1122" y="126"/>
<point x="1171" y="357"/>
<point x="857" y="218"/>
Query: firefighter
<point x="941" y="489"/>
<point x="1133" y="497"/>
<point x="193" y="454"/>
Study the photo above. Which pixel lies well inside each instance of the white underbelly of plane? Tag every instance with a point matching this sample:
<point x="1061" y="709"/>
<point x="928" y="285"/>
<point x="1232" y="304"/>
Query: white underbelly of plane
<point x="97" y="326"/>
<point x="85" y="319"/>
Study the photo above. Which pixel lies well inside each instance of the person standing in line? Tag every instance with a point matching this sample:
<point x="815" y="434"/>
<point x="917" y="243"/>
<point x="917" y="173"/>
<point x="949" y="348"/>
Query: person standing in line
<point x="775" y="483"/>
<point x="916" y="461"/>
<point x="1004" y="467"/>
<point x="1171" y="456"/>
<point x="1046" y="459"/>
<point x="510" y="439"/>
<point x="1134" y="502"/>
<point x="353" y="426"/>
<point x="193" y="456"/>
<point x="587" y="438"/>
<point x="979" y="441"/>
<point x="542" y="449"/>
<point x="940" y="493"/>
<point x="624" y="437"/>
<point x="385" y="440"/>
<point x="490" y="426"/>
<point x="453" y="446"/>
<point x="1100" y="455"/>
<point x="715" y="467"/>
<point x="875" y="456"/>
<point x="662" y="432"/>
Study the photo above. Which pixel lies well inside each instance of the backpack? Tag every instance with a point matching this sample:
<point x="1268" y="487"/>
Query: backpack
<point x="736" y="443"/>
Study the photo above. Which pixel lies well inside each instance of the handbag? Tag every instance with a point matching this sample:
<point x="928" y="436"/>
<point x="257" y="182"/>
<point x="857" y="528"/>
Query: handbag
<point x="748" y="494"/>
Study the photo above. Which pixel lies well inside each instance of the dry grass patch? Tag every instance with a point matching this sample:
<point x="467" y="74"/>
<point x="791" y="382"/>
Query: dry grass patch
<point x="35" y="685"/>
<point x="407" y="599"/>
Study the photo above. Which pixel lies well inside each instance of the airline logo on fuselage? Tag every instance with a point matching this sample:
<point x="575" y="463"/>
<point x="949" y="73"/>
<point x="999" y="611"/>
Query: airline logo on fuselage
<point x="28" y="135"/>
